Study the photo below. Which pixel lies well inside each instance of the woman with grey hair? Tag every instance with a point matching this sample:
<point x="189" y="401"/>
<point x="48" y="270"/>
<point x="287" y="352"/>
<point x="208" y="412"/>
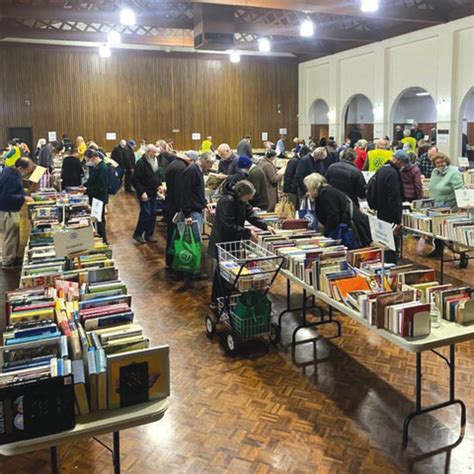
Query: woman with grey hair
<point x="333" y="208"/>
<point x="232" y="210"/>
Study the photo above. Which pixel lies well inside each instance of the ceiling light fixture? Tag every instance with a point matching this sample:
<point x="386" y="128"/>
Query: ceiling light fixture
<point x="127" y="17"/>
<point x="234" y="57"/>
<point x="422" y="94"/>
<point x="264" y="45"/>
<point x="104" y="51"/>
<point x="113" y="38"/>
<point x="369" y="6"/>
<point x="306" y="28"/>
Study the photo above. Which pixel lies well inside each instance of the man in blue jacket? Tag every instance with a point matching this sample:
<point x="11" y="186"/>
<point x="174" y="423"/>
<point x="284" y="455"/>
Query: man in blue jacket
<point x="12" y="197"/>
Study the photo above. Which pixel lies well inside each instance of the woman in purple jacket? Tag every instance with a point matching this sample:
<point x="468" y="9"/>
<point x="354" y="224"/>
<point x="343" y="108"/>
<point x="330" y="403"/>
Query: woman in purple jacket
<point x="411" y="177"/>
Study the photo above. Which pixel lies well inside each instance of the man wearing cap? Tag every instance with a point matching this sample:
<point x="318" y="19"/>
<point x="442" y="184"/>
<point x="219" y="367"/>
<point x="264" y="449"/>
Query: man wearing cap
<point x="389" y="196"/>
<point x="129" y="161"/>
<point x="256" y="176"/>
<point x="174" y="177"/>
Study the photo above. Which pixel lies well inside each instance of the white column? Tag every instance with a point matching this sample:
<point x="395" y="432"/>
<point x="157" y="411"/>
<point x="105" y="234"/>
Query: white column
<point x="336" y="130"/>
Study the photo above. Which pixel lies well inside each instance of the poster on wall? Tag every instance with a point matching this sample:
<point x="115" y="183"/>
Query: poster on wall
<point x="52" y="137"/>
<point x="196" y="136"/>
<point x="442" y="137"/>
<point x="111" y="136"/>
<point x="283" y="131"/>
<point x="264" y="136"/>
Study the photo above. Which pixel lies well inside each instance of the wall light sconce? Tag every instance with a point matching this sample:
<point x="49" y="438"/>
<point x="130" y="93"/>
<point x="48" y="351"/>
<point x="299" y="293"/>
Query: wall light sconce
<point x="332" y="115"/>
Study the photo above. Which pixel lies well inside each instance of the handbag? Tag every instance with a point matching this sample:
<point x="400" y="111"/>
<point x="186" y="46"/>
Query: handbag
<point x="308" y="212"/>
<point x="285" y="209"/>
<point x="187" y="252"/>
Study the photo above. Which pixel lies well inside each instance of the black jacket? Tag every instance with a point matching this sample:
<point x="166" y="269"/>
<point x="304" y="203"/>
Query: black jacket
<point x="244" y="148"/>
<point x="354" y="135"/>
<point x="144" y="179"/>
<point x="129" y="157"/>
<point x="72" y="172"/>
<point x="174" y="177"/>
<point x="332" y="208"/>
<point x="98" y="182"/>
<point x="389" y="191"/>
<point x="12" y="194"/>
<point x="118" y="155"/>
<point x="346" y="177"/>
<point x="230" y="166"/>
<point x="231" y="214"/>
<point x="290" y="185"/>
<point x="193" y="197"/>
<point x="305" y="167"/>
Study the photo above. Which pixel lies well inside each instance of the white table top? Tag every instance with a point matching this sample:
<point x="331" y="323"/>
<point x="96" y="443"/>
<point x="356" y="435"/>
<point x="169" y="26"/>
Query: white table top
<point x="448" y="333"/>
<point x="95" y="424"/>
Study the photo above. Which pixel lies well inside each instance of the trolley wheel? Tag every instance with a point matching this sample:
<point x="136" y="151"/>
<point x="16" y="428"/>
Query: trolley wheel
<point x="231" y="343"/>
<point x="463" y="260"/>
<point x="275" y="333"/>
<point x="210" y="327"/>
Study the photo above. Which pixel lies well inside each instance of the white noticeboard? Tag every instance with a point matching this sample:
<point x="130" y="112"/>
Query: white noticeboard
<point x="111" y="136"/>
<point x="196" y="136"/>
<point x="463" y="162"/>
<point x="282" y="131"/>
<point x="465" y="198"/>
<point x="96" y="209"/>
<point x="382" y="233"/>
<point x="52" y="137"/>
<point x="68" y="242"/>
<point x="442" y="139"/>
<point x="264" y="136"/>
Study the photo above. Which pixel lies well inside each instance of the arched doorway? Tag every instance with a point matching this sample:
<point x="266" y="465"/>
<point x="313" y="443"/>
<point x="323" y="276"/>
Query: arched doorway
<point x="359" y="118"/>
<point x="318" y="119"/>
<point x="414" y="106"/>
<point x="467" y="127"/>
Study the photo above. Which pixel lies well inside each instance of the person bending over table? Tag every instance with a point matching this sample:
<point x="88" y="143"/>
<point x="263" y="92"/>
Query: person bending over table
<point x="232" y="210"/>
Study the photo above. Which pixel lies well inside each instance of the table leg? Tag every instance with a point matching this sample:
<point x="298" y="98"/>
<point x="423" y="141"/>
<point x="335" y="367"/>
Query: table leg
<point x="116" y="452"/>
<point x="441" y="270"/>
<point x="452" y="400"/>
<point x="53" y="452"/>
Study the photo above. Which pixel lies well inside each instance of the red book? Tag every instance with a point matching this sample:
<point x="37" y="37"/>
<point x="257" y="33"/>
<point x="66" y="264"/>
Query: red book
<point x="408" y="314"/>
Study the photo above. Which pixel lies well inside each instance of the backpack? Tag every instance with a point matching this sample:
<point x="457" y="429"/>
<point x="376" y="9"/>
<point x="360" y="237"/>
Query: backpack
<point x="114" y="179"/>
<point x="372" y="192"/>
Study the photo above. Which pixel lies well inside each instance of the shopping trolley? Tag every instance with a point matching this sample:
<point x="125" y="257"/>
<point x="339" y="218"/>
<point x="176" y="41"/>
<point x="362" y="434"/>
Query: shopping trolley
<point x="244" y="267"/>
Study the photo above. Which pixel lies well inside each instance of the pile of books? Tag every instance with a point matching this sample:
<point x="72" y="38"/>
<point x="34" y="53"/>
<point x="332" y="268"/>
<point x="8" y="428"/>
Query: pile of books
<point x="72" y="345"/>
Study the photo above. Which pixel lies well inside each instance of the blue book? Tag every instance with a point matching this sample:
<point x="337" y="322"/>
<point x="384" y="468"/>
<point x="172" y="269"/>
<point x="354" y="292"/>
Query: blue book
<point x="37" y="337"/>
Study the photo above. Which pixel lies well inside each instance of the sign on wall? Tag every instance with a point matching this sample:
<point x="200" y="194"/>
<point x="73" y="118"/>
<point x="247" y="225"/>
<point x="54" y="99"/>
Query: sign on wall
<point x="196" y="136"/>
<point x="111" y="136"/>
<point x="264" y="136"/>
<point x="52" y="137"/>
<point x="283" y="131"/>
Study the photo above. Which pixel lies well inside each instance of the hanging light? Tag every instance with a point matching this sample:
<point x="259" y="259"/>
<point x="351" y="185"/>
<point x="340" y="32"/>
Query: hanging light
<point x="104" y="51"/>
<point x="306" y="28"/>
<point x="369" y="6"/>
<point x="234" y="57"/>
<point x="113" y="38"/>
<point x="264" y="45"/>
<point x="422" y="94"/>
<point x="127" y="17"/>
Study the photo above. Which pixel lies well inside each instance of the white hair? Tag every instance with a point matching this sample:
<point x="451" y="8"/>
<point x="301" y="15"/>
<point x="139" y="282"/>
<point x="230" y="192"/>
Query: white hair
<point x="314" y="182"/>
<point x="150" y="147"/>
<point x="320" y="153"/>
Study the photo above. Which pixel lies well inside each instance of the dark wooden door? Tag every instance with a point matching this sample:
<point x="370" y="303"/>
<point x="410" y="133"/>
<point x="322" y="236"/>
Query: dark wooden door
<point x="25" y="134"/>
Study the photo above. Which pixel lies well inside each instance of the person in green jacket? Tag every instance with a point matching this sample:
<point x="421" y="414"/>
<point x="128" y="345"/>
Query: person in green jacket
<point x="97" y="185"/>
<point x="444" y="181"/>
<point x="13" y="153"/>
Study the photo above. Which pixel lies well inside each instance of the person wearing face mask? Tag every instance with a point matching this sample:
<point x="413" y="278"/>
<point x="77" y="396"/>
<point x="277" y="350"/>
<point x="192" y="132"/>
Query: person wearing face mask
<point x="232" y="211"/>
<point x="97" y="185"/>
<point x="12" y="198"/>
<point x="444" y="181"/>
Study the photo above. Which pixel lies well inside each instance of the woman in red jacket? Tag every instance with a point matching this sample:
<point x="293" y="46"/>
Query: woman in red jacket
<point x="361" y="152"/>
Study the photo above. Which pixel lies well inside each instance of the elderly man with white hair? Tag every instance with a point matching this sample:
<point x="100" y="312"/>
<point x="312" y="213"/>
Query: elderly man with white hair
<point x="229" y="162"/>
<point x="146" y="181"/>
<point x="312" y="163"/>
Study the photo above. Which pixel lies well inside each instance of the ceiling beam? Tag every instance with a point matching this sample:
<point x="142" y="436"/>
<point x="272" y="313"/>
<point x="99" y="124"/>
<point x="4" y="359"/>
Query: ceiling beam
<point x="92" y="16"/>
<point x="405" y="14"/>
<point x="7" y="31"/>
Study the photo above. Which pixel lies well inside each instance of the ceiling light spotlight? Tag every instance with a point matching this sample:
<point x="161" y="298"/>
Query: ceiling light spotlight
<point x="234" y="57"/>
<point x="264" y="45"/>
<point x="104" y="51"/>
<point x="306" y="28"/>
<point x="369" y="6"/>
<point x="127" y="17"/>
<point x="114" y="38"/>
<point x="422" y="94"/>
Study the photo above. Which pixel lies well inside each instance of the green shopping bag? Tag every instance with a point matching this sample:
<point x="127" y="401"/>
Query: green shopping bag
<point x="187" y="252"/>
<point x="252" y="313"/>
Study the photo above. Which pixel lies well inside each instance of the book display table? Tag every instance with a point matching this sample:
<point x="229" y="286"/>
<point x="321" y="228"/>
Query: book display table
<point x="448" y="334"/>
<point x="90" y="426"/>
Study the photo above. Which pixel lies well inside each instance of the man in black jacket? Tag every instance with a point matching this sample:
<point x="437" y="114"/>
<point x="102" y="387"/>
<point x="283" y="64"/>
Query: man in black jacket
<point x="146" y="181"/>
<point x="290" y="185"/>
<point x="228" y="161"/>
<point x="346" y="177"/>
<point x="118" y="155"/>
<point x="312" y="163"/>
<point x="173" y="177"/>
<point x="129" y="162"/>
<point x="389" y="198"/>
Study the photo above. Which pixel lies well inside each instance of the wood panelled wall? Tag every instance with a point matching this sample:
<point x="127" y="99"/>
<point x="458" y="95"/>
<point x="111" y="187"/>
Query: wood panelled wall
<point x="145" y="95"/>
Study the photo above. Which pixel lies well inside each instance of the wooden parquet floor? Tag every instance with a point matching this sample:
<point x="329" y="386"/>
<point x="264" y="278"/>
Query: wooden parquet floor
<point x="258" y="413"/>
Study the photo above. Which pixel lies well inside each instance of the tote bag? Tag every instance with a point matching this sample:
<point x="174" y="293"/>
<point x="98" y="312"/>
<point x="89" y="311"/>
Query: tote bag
<point x="187" y="252"/>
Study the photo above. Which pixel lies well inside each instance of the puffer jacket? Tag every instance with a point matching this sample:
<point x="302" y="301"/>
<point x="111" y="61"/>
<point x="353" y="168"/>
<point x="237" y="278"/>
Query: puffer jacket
<point x="346" y="177"/>
<point x="411" y="181"/>
<point x="290" y="185"/>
